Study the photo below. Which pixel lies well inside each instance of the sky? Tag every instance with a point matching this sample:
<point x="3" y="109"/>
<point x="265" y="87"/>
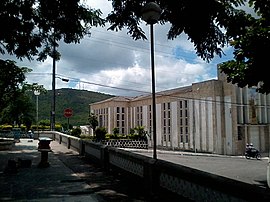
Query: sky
<point x="113" y="63"/>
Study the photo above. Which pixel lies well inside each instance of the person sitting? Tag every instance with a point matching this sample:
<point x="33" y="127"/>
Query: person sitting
<point x="247" y="147"/>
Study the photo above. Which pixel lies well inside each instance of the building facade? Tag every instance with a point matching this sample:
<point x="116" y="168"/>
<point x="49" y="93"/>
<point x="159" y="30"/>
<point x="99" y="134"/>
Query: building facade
<point x="211" y="116"/>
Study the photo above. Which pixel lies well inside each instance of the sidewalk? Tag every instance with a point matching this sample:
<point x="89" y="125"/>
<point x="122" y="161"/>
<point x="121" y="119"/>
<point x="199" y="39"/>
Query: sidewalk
<point x="31" y="183"/>
<point x="69" y="177"/>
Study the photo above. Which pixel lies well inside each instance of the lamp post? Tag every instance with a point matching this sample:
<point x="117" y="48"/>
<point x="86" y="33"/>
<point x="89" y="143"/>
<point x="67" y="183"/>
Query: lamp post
<point x="37" y="93"/>
<point x="150" y="14"/>
<point x="53" y="92"/>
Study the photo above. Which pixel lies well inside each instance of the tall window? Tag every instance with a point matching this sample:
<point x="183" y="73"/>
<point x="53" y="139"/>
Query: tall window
<point x="166" y="116"/>
<point x="150" y="119"/>
<point x="139" y="115"/>
<point x="120" y="119"/>
<point x="102" y="115"/>
<point x="183" y="121"/>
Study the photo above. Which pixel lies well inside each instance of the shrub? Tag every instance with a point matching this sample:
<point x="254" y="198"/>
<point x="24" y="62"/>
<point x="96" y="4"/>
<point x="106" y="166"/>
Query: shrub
<point x="116" y="131"/>
<point x="100" y="133"/>
<point x="76" y="132"/>
<point x="86" y="137"/>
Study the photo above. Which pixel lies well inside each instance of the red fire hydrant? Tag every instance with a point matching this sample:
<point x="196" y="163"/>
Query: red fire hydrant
<point x="44" y="148"/>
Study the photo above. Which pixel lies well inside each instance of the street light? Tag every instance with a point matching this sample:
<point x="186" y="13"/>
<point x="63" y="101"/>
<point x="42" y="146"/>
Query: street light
<point x="150" y="14"/>
<point x="37" y="93"/>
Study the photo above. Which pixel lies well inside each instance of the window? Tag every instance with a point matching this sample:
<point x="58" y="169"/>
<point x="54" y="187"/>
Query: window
<point x="186" y="130"/>
<point x="183" y="121"/>
<point x="139" y="116"/>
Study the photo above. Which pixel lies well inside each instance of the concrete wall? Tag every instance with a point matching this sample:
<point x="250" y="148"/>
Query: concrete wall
<point x="161" y="176"/>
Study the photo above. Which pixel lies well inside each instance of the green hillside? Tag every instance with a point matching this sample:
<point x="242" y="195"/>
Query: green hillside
<point x="77" y="100"/>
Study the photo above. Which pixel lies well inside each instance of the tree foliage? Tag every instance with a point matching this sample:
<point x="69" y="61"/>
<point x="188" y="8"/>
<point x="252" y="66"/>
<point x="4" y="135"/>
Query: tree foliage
<point x="250" y="38"/>
<point x="32" y="27"/>
<point x="11" y="81"/>
<point x="15" y="105"/>
<point x="210" y="25"/>
<point x="203" y="29"/>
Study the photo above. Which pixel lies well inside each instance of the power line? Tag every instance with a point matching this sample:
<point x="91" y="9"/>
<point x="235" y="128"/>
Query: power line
<point x="147" y="93"/>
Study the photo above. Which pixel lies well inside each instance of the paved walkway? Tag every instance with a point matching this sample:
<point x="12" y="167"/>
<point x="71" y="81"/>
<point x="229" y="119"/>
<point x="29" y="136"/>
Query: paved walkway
<point x="68" y="178"/>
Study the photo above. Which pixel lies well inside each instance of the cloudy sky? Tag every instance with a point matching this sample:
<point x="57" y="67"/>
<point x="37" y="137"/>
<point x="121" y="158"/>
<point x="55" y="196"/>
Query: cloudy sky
<point x="113" y="63"/>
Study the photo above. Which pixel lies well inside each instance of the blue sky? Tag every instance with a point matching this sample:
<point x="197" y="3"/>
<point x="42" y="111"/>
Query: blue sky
<point x="113" y="63"/>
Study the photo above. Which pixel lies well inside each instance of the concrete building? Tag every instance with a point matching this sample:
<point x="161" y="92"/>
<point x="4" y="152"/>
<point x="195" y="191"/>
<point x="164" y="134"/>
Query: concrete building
<point x="211" y="116"/>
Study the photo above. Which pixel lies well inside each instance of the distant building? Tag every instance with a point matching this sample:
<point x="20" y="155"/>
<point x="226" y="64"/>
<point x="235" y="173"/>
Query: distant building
<point x="85" y="130"/>
<point x="211" y="116"/>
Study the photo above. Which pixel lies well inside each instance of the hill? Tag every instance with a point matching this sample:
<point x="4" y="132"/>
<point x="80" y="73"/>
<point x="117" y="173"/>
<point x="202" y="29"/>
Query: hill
<point x="77" y="100"/>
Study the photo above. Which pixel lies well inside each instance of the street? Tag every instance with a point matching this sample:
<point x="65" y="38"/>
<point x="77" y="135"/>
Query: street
<point x="250" y="171"/>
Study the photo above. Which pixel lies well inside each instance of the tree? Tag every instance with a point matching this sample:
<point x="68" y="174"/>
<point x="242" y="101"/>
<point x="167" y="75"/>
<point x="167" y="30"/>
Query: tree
<point x="15" y="103"/>
<point x="19" y="110"/>
<point x="250" y="37"/>
<point x="93" y="121"/>
<point x="216" y="24"/>
<point x="11" y="79"/>
<point x="203" y="31"/>
<point x="32" y="27"/>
